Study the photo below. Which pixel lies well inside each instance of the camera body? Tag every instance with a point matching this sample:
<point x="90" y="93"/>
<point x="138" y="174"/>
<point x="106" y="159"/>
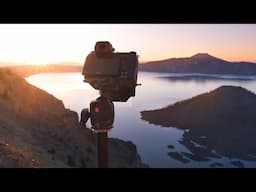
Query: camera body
<point x="113" y="74"/>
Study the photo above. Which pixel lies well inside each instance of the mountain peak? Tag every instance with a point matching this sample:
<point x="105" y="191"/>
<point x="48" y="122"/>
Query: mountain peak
<point x="205" y="57"/>
<point x="234" y="92"/>
<point x="202" y="56"/>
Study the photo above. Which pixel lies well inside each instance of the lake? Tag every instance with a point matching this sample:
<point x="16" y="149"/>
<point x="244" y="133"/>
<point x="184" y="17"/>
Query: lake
<point x="152" y="141"/>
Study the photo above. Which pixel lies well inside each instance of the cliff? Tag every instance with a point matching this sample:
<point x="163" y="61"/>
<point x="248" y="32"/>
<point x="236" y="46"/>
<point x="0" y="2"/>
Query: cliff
<point x="36" y="130"/>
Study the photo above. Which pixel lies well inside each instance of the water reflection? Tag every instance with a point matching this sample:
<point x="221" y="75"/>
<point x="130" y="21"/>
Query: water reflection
<point x="204" y="153"/>
<point x="205" y="79"/>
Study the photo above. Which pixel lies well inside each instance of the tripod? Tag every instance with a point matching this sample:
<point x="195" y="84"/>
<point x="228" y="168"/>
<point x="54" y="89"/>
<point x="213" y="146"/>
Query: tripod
<point x="102" y="149"/>
<point x="101" y="114"/>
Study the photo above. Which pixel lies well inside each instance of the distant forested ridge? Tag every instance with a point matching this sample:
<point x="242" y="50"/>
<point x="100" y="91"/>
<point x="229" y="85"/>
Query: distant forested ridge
<point x="200" y="63"/>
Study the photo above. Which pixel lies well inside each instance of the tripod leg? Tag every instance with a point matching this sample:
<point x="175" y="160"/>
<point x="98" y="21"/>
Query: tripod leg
<point x="85" y="115"/>
<point x="102" y="145"/>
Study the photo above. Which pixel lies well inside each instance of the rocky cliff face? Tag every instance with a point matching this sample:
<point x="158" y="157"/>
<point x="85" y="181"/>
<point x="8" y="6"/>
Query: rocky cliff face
<point x="36" y="123"/>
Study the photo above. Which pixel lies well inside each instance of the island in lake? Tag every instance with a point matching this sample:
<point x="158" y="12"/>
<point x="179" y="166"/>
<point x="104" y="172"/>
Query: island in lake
<point x="218" y="123"/>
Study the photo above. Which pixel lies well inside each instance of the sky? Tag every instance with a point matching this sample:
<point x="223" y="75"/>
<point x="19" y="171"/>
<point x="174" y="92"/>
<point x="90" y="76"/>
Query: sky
<point x="57" y="43"/>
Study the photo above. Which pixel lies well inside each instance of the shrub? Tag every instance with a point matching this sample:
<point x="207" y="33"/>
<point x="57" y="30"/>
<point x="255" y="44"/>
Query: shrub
<point x="71" y="162"/>
<point x="89" y="149"/>
<point x="52" y="152"/>
<point x="83" y="162"/>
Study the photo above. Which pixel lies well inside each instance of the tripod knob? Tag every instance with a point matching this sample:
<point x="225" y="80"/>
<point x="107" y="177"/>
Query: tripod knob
<point x="85" y="115"/>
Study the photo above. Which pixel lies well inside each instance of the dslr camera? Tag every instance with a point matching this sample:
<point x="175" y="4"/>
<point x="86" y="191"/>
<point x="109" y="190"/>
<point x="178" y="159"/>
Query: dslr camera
<point x="113" y="74"/>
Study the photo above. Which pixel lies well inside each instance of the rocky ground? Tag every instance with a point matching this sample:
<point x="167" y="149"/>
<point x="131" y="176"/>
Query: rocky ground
<point x="36" y="130"/>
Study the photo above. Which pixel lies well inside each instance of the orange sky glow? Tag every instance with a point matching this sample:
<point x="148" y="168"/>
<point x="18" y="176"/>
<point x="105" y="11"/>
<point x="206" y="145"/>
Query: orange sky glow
<point x="57" y="43"/>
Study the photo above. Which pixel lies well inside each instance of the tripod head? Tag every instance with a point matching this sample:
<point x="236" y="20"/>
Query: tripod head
<point x="101" y="114"/>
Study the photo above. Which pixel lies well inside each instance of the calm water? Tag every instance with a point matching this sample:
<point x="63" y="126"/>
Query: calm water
<point x="151" y="141"/>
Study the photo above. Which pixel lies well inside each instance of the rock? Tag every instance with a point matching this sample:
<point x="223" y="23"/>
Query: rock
<point x="121" y="152"/>
<point x="216" y="164"/>
<point x="179" y="157"/>
<point x="14" y="157"/>
<point x="195" y="157"/>
<point x="170" y="147"/>
<point x="35" y="121"/>
<point x="237" y="164"/>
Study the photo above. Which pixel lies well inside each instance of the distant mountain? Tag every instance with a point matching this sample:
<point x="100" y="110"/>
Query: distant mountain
<point x="27" y="70"/>
<point x="223" y="120"/>
<point x="200" y="63"/>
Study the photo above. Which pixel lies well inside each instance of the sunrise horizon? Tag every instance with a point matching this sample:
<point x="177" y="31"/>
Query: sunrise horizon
<point x="14" y="63"/>
<point x="58" y="43"/>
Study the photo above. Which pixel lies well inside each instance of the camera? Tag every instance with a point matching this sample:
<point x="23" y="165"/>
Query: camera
<point x="114" y="74"/>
